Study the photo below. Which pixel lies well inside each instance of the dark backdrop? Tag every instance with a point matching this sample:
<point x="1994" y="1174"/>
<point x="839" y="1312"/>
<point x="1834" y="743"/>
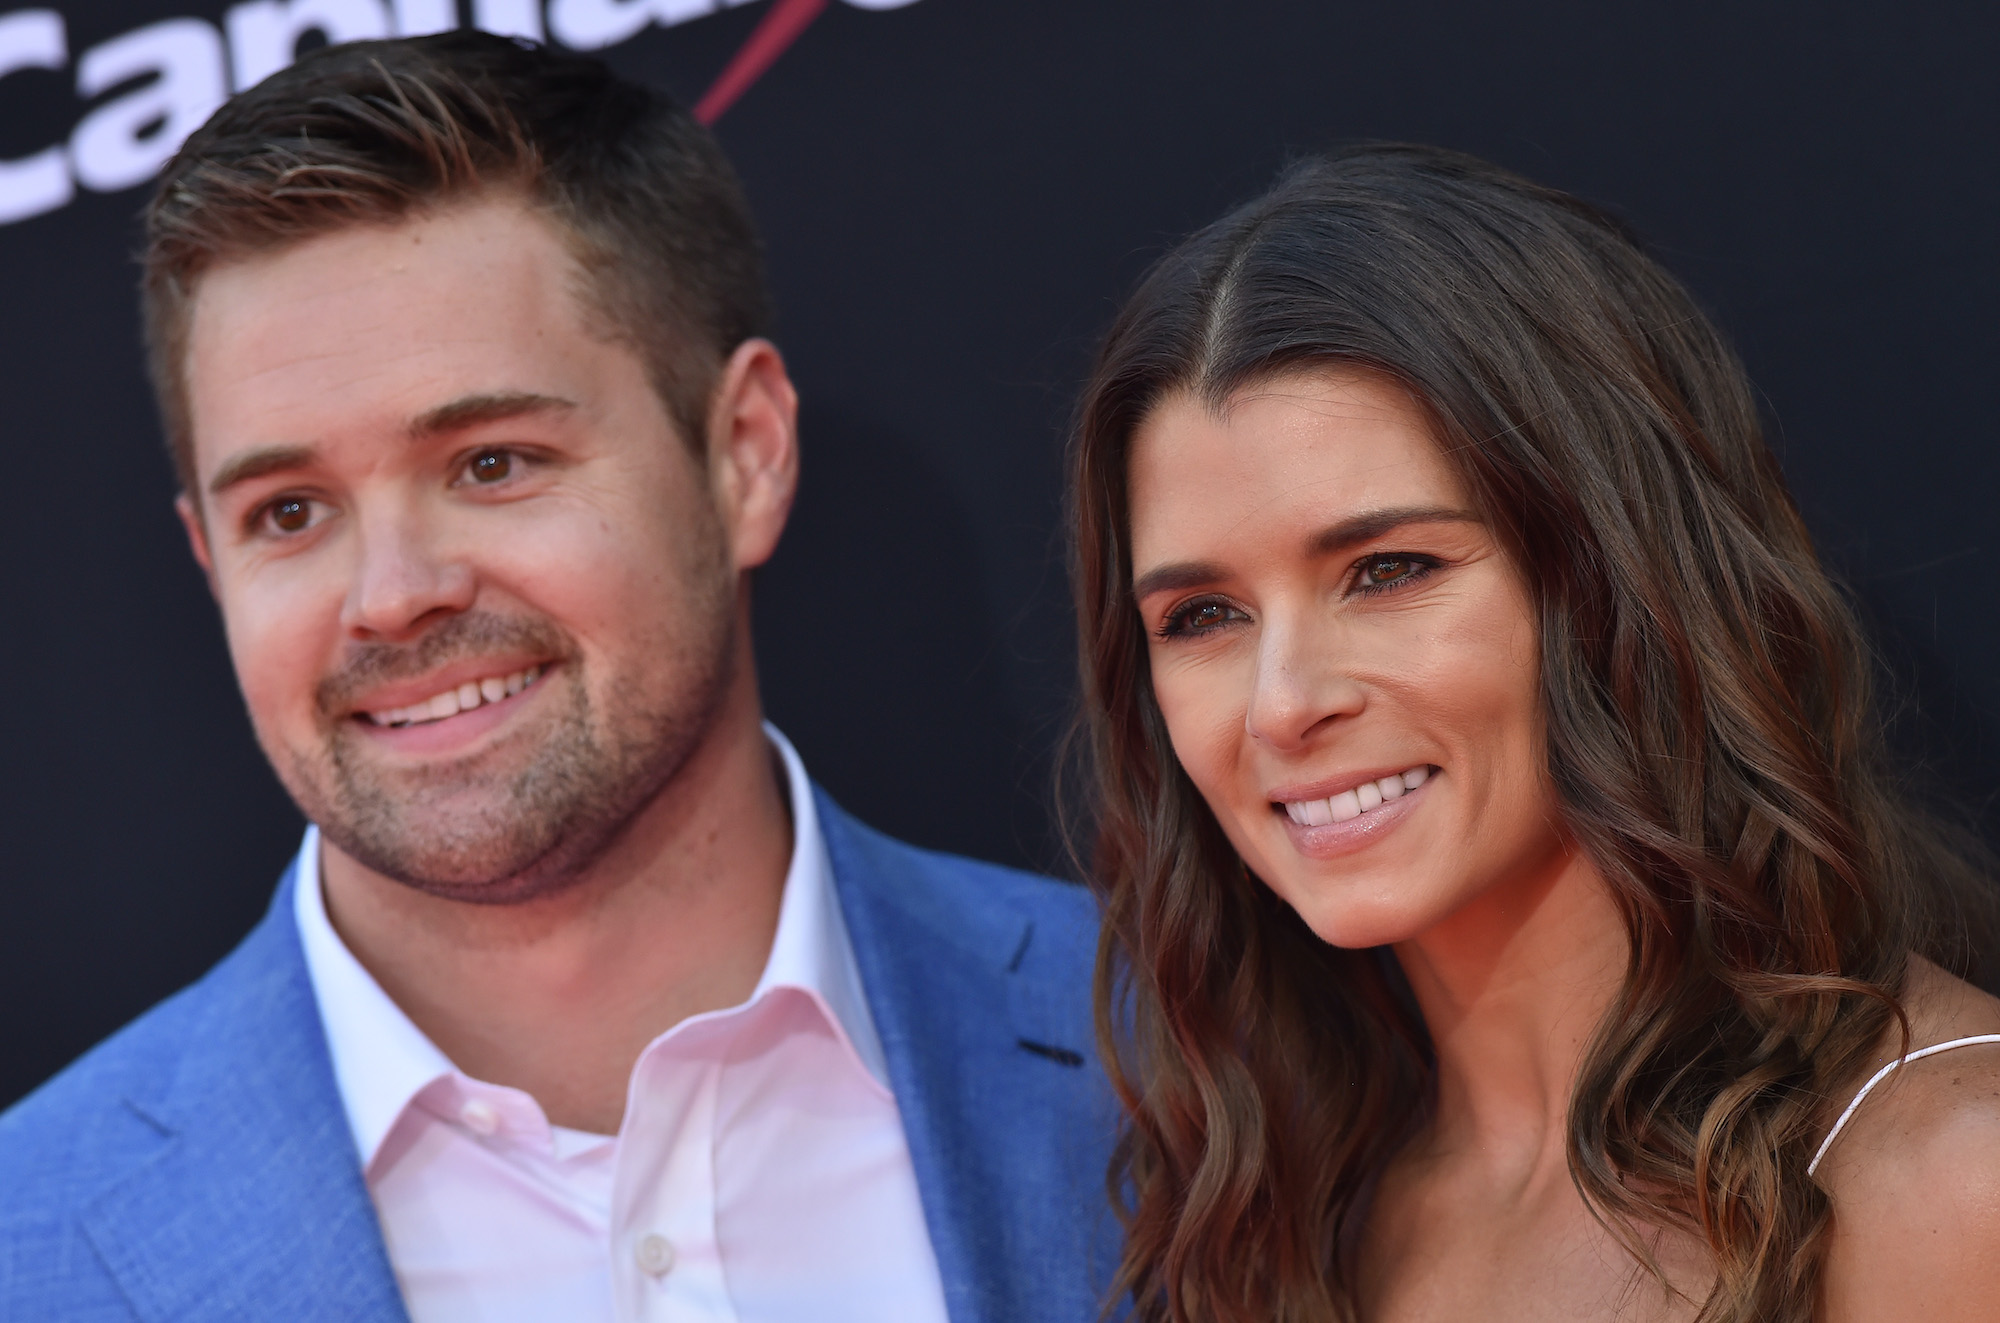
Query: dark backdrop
<point x="955" y="193"/>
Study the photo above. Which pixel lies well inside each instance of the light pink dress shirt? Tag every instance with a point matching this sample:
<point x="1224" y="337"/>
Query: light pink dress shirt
<point x="761" y="1174"/>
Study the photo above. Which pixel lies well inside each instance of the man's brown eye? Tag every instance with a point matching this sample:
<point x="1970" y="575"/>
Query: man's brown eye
<point x="289" y="516"/>
<point x="492" y="466"/>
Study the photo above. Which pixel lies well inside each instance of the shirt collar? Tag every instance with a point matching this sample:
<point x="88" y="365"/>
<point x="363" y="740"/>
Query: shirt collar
<point x="811" y="950"/>
<point x="381" y="1060"/>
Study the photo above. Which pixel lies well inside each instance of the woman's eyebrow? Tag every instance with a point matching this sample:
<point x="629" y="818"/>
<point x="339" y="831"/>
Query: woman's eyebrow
<point x="1371" y="524"/>
<point x="1173" y="576"/>
<point x="1362" y="527"/>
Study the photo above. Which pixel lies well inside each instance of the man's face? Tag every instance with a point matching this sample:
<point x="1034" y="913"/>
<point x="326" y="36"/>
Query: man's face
<point x="480" y="594"/>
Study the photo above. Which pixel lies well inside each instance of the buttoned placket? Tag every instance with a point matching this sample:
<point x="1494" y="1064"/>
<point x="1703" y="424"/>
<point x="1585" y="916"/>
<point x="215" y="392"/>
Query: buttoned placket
<point x="666" y="1264"/>
<point x="666" y="1260"/>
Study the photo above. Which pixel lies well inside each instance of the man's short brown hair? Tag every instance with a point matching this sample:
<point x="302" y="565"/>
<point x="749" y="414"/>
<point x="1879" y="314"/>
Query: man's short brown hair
<point x="374" y="132"/>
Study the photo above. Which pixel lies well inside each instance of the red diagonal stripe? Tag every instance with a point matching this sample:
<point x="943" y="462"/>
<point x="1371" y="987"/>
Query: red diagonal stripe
<point x="782" y="25"/>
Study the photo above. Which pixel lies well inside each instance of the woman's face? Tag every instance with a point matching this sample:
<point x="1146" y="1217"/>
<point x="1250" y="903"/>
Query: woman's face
<point x="1346" y="659"/>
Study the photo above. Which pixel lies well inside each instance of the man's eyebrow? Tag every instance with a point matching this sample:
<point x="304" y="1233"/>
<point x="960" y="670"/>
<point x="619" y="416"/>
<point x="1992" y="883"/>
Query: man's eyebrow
<point x="258" y="463"/>
<point x="471" y="410"/>
<point x="1363" y="527"/>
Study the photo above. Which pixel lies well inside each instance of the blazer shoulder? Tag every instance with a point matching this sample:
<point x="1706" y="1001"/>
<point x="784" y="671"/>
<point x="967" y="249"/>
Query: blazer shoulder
<point x="100" y="1113"/>
<point x="1035" y="894"/>
<point x="962" y="893"/>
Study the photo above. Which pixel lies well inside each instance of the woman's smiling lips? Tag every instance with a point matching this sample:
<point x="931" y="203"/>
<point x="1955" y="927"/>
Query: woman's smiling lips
<point x="1324" y="822"/>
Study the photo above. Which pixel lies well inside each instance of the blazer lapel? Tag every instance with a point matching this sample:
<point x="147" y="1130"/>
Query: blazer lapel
<point x="984" y="1021"/>
<point x="251" y="1205"/>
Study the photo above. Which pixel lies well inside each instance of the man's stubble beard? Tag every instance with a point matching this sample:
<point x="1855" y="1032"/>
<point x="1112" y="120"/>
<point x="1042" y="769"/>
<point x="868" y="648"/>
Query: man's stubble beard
<point x="536" y="826"/>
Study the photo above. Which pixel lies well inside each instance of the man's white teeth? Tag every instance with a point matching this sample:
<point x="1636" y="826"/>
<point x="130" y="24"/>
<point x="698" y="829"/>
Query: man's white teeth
<point x="1364" y="798"/>
<point x="462" y="699"/>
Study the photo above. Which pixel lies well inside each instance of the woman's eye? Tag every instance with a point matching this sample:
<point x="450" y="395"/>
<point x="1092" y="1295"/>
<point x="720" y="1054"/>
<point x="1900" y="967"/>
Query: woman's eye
<point x="1379" y="572"/>
<point x="490" y="466"/>
<point x="1199" y="618"/>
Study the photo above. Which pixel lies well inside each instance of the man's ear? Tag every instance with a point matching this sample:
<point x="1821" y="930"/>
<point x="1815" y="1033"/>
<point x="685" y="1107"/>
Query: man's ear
<point x="197" y="536"/>
<point x="753" y="449"/>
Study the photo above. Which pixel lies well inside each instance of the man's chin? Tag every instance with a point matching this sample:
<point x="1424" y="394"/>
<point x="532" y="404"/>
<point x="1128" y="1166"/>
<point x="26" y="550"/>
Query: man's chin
<point x="489" y="869"/>
<point x="491" y="844"/>
<point x="497" y="829"/>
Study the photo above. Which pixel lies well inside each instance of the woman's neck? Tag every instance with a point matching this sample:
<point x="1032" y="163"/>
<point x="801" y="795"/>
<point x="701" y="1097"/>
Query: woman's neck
<point x="1512" y="986"/>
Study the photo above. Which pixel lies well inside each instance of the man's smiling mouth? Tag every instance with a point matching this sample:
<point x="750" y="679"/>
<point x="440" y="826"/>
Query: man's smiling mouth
<point x="460" y="698"/>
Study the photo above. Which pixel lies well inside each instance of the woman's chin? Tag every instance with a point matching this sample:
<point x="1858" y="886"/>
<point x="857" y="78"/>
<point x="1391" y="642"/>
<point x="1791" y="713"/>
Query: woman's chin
<point x="1340" y="917"/>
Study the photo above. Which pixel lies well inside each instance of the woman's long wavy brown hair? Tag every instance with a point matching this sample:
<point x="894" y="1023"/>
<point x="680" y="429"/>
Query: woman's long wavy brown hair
<point x="1711" y="739"/>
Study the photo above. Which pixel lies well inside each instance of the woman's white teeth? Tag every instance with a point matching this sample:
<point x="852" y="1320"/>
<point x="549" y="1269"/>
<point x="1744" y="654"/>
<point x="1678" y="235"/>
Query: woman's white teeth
<point x="462" y="699"/>
<point x="1364" y="798"/>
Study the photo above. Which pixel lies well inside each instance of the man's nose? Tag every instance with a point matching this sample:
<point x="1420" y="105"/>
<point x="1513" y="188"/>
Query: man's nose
<point x="404" y="580"/>
<point x="1301" y="684"/>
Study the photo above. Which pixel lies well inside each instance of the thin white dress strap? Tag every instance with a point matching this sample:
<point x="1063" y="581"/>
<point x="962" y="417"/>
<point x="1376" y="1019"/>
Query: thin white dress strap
<point x="1883" y="1074"/>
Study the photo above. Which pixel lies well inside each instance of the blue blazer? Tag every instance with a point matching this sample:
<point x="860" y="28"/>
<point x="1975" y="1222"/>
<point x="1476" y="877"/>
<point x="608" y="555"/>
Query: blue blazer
<point x="198" y="1166"/>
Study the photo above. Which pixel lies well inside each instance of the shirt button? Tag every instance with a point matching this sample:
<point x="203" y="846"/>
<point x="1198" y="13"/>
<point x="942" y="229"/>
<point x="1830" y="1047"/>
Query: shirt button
<point x="480" y="1117"/>
<point x="655" y="1254"/>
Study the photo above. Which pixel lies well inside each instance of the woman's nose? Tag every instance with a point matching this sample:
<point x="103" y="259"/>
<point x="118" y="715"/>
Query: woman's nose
<point x="1299" y="686"/>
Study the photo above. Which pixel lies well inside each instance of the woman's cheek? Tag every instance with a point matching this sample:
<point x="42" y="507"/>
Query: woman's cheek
<point x="1199" y="731"/>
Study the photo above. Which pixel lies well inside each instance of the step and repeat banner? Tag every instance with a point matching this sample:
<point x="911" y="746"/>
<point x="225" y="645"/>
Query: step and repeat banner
<point x="141" y="92"/>
<point x="955" y="193"/>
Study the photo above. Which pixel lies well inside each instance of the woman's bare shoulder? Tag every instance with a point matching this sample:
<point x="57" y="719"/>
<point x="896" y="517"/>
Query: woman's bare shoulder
<point x="1915" y="1176"/>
